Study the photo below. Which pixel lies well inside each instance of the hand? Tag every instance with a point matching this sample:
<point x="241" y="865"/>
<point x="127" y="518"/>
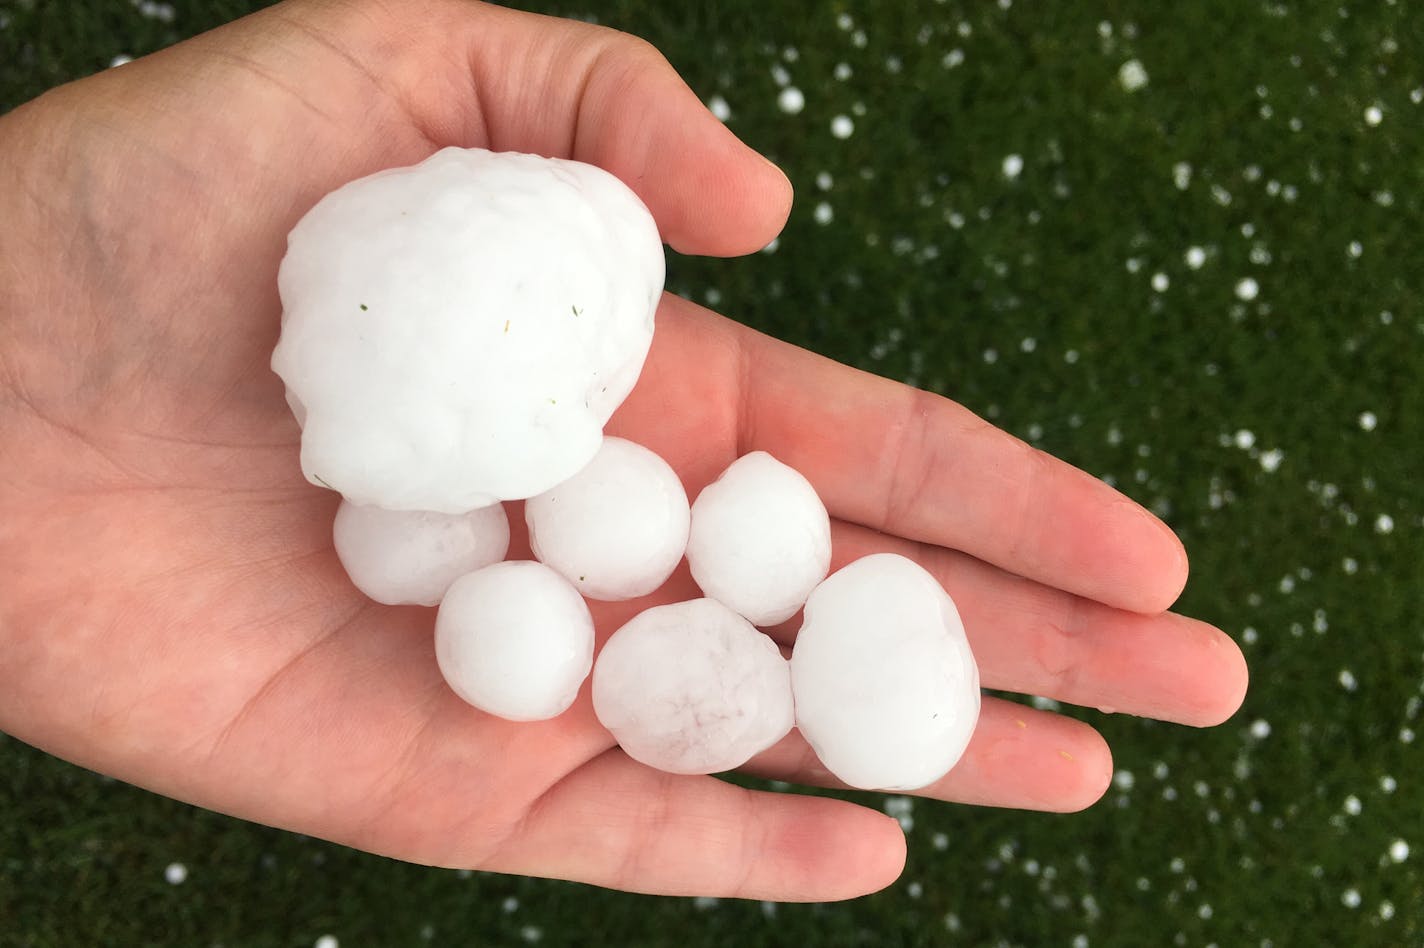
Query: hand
<point x="172" y="612"/>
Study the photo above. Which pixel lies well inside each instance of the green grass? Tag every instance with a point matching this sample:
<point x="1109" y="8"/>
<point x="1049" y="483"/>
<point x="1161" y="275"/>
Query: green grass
<point x="1031" y="301"/>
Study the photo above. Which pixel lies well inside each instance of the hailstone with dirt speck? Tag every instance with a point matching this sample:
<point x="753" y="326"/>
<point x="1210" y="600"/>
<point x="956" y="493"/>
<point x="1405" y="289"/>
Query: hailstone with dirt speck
<point x="410" y="557"/>
<point x="616" y="529"/>
<point x="458" y="332"/>
<point x="887" y="690"/>
<point x="692" y="688"/>
<point x="514" y="639"/>
<point x="760" y="539"/>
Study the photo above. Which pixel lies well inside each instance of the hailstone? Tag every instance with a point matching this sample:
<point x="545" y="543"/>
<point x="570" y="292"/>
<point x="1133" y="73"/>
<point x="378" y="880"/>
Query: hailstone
<point x="760" y="539"/>
<point x="887" y="690"/>
<point x="692" y="688"/>
<point x="616" y="529"/>
<point x="514" y="639"/>
<point x="458" y="332"/>
<point x="410" y="557"/>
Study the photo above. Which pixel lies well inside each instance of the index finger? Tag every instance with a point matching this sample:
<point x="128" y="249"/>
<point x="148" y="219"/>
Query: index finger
<point x="916" y="465"/>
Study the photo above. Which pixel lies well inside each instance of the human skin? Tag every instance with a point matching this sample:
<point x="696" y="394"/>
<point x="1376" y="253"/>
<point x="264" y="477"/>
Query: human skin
<point x="172" y="611"/>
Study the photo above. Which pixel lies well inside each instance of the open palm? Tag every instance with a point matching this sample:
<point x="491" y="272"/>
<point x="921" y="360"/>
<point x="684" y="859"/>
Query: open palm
<point x="172" y="611"/>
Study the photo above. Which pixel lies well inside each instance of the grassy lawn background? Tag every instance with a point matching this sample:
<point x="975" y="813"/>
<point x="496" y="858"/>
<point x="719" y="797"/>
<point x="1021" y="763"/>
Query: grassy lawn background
<point x="1279" y="433"/>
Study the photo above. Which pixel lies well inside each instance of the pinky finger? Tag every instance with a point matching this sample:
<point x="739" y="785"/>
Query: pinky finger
<point x="616" y="823"/>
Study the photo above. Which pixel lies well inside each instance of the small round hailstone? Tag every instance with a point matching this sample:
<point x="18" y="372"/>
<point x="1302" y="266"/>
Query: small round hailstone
<point x="459" y="332"/>
<point x="618" y="528"/>
<point x="410" y="557"/>
<point x="1132" y="75"/>
<point x="692" y="688"/>
<point x="760" y="539"/>
<point x="887" y="690"/>
<point x="514" y="639"/>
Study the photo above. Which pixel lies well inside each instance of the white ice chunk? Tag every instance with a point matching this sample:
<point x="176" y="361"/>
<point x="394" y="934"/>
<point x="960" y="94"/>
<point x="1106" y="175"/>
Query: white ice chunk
<point x="458" y="332"/>
<point x="514" y="639"/>
<point x="410" y="557"/>
<point x="887" y="691"/>
<point x="692" y="688"/>
<point x="616" y="529"/>
<point x="760" y="539"/>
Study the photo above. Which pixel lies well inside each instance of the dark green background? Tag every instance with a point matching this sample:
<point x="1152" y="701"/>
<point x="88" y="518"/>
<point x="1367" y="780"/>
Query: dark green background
<point x="1030" y="300"/>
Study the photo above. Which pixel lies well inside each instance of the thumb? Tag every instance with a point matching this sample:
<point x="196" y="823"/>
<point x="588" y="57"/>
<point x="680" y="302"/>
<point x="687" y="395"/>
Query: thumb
<point x="475" y="74"/>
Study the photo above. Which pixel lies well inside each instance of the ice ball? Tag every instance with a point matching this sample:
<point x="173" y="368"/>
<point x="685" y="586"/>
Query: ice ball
<point x="458" y="332"/>
<point x="410" y="557"/>
<point x="692" y="688"/>
<point x="887" y="690"/>
<point x="514" y="639"/>
<point x="616" y="529"/>
<point x="760" y="539"/>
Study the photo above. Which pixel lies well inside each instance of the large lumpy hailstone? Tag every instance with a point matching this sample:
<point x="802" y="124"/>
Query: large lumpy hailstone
<point x="616" y="529"/>
<point x="692" y="688"/>
<point x="458" y="332"/>
<point x="887" y="690"/>
<point x="514" y="639"/>
<point x="760" y="539"/>
<point x="410" y="557"/>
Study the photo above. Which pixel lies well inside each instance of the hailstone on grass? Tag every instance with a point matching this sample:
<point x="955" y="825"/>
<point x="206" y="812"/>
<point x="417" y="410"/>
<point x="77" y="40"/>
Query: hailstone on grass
<point x="410" y="557"/>
<point x="514" y="639"/>
<point x="887" y="690"/>
<point x="760" y="539"/>
<point x="616" y="529"/>
<point x="458" y="332"/>
<point x="692" y="688"/>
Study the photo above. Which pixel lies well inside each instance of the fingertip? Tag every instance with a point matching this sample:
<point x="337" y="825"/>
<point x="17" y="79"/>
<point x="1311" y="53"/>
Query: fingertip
<point x="1026" y="759"/>
<point x="1150" y="566"/>
<point x="1094" y="771"/>
<point x="879" y="860"/>
<point x="1232" y="677"/>
<point x="774" y="207"/>
<point x="1174" y="571"/>
<point x="731" y="200"/>
<point x="710" y="193"/>
<point x="887" y="862"/>
<point x="838" y="850"/>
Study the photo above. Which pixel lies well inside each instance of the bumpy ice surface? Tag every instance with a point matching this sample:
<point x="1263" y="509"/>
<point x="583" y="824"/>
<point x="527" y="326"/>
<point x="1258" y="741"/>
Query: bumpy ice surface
<point x="692" y="688"/>
<point x="616" y="529"/>
<point x="410" y="557"/>
<point x="458" y="332"/>
<point x="760" y="539"/>
<point x="887" y="690"/>
<point x="514" y="639"/>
